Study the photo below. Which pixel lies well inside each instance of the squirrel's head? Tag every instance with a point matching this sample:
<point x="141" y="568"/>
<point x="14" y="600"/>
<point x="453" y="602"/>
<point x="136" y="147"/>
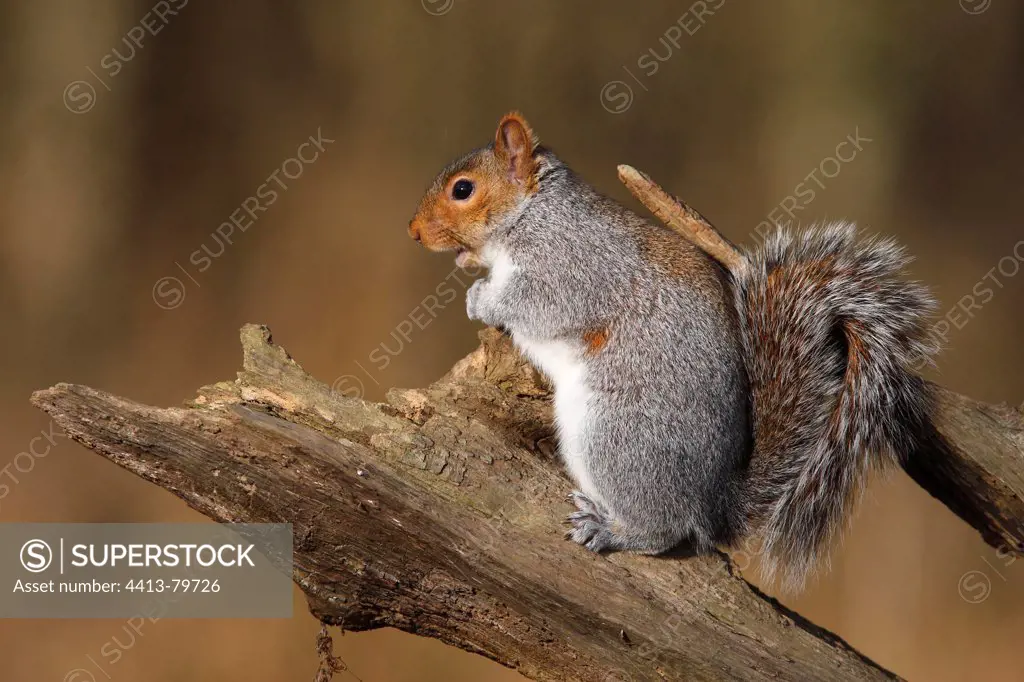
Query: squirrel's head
<point x="473" y="195"/>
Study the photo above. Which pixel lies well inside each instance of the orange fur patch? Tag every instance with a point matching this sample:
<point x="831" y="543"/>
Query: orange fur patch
<point x="595" y="340"/>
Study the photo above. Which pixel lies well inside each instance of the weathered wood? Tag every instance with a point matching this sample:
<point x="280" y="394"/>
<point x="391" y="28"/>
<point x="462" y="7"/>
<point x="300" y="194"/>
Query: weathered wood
<point x="438" y="512"/>
<point x="974" y="464"/>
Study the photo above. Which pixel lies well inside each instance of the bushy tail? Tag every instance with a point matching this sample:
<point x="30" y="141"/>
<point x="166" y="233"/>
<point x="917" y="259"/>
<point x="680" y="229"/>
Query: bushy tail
<point x="831" y="338"/>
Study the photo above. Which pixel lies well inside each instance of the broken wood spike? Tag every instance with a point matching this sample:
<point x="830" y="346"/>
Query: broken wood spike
<point x="682" y="219"/>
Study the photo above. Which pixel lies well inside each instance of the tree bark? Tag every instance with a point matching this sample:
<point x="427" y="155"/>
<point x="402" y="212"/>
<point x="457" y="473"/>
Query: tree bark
<point x="438" y="512"/>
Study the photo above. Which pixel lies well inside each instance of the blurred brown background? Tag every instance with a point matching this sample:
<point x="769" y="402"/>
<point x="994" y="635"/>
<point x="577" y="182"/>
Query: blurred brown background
<point x="111" y="183"/>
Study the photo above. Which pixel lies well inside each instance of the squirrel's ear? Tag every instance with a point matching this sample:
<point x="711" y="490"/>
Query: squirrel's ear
<point x="514" y="144"/>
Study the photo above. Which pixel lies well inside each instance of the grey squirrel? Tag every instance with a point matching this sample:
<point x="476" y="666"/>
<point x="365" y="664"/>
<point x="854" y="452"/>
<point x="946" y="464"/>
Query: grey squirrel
<point x="694" y="406"/>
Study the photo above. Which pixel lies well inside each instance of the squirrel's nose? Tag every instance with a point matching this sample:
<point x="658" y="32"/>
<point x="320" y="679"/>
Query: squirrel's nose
<point x="414" y="230"/>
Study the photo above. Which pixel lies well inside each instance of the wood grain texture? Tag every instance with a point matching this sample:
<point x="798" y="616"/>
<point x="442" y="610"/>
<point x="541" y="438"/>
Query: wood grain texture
<point x="439" y="512"/>
<point x="973" y="462"/>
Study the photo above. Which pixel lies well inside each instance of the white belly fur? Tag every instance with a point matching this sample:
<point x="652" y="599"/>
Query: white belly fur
<point x="562" y="362"/>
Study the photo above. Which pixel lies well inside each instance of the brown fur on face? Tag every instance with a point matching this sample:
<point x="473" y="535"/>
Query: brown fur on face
<point x="503" y="174"/>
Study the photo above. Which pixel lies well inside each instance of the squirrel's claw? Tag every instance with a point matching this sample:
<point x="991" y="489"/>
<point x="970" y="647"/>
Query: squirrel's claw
<point x="590" y="525"/>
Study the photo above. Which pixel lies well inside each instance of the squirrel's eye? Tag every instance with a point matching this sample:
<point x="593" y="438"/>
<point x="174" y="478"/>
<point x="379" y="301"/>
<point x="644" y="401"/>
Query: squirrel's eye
<point x="462" y="189"/>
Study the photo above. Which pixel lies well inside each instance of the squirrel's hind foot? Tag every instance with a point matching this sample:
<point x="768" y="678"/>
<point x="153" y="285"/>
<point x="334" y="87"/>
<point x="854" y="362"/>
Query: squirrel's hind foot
<point x="590" y="525"/>
<point x="597" y="530"/>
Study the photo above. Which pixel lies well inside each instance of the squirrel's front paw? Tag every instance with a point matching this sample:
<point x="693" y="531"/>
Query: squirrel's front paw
<point x="475" y="299"/>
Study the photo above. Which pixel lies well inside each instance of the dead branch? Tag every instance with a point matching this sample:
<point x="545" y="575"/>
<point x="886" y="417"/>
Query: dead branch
<point x="439" y="512"/>
<point x="681" y="218"/>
